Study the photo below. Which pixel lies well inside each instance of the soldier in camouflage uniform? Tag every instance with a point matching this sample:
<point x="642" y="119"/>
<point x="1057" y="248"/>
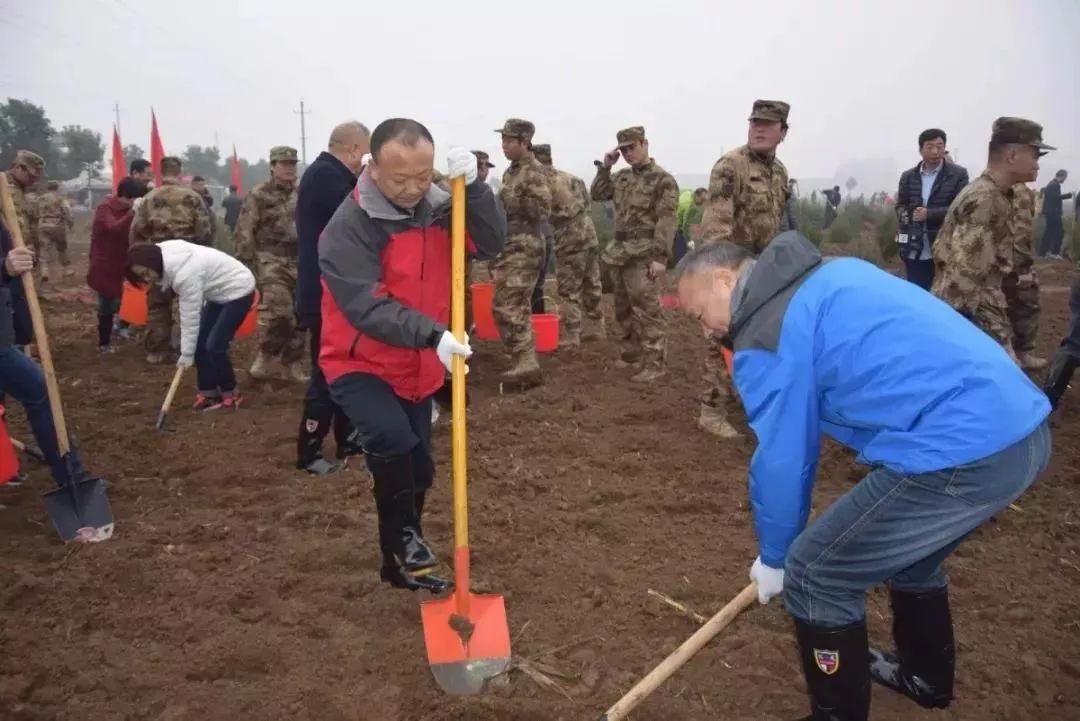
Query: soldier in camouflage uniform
<point x="974" y="250"/>
<point x="171" y="212"/>
<point x="25" y="172"/>
<point x="747" y="206"/>
<point x="646" y="199"/>
<point x="54" y="221"/>
<point x="575" y="240"/>
<point x="266" y="243"/>
<point x="1021" y="286"/>
<point x="526" y="199"/>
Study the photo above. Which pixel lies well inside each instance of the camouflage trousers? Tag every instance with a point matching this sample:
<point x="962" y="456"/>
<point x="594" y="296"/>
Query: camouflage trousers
<point x="719" y="392"/>
<point x="281" y="336"/>
<point x="1022" y="294"/>
<point x="159" y="319"/>
<point x="592" y="290"/>
<point x="515" y="272"/>
<point x="637" y="312"/>
<point x="53" y="245"/>
<point x="571" y="262"/>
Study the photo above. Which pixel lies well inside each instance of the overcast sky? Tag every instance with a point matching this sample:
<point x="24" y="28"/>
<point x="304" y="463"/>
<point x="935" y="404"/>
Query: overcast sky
<point x="863" y="78"/>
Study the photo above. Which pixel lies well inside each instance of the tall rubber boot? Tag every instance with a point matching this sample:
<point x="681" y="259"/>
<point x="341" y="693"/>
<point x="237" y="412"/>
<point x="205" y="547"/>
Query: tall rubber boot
<point x="1058" y="377"/>
<point x="309" y="440"/>
<point x="346" y="437"/>
<point x="836" y="665"/>
<point x="925" y="660"/>
<point x="408" y="562"/>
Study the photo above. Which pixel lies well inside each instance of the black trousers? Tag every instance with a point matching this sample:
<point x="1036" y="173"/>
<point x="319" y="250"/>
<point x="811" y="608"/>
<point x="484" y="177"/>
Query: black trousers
<point x="920" y="272"/>
<point x="320" y="411"/>
<point x="1053" y="235"/>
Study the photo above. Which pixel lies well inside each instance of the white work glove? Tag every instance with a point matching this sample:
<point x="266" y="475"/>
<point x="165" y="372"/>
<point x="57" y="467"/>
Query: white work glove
<point x="136" y="204"/>
<point x="449" y="347"/>
<point x="770" y="581"/>
<point x="185" y="361"/>
<point x="461" y="163"/>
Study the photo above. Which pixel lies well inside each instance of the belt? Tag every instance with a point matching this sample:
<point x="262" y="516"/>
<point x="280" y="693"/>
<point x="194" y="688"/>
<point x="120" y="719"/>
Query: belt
<point x="523" y="229"/>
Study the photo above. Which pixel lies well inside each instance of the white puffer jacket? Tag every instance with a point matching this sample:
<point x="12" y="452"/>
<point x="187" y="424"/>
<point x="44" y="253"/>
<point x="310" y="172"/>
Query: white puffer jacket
<point x="198" y="275"/>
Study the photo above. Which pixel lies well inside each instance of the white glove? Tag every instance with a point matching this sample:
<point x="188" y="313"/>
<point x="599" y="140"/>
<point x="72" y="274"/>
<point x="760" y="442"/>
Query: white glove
<point x="185" y="361"/>
<point x="770" y="581"/>
<point x="460" y="162"/>
<point x="449" y="347"/>
<point x="136" y="204"/>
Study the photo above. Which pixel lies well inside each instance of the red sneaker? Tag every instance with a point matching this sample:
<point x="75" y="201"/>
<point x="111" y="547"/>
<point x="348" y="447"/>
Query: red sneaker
<point x="207" y="403"/>
<point x="231" y="401"/>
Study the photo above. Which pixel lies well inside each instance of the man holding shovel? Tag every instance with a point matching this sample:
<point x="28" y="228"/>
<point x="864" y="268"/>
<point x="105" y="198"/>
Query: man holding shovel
<point x="952" y="436"/>
<point x="385" y="350"/>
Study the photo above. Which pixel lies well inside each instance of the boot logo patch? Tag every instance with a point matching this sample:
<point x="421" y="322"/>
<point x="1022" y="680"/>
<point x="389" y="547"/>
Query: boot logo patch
<point x="827" y="661"/>
<point x="311" y="425"/>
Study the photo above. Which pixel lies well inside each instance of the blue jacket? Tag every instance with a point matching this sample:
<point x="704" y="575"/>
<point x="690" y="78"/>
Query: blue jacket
<point x="326" y="183"/>
<point x="843" y="348"/>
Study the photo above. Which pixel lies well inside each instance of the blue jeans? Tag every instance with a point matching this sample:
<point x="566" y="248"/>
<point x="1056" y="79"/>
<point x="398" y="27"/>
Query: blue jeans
<point x="897" y="529"/>
<point x="24" y="381"/>
<point x="216" y="331"/>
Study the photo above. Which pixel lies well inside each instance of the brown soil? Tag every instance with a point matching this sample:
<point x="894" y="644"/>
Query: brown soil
<point x="237" y="588"/>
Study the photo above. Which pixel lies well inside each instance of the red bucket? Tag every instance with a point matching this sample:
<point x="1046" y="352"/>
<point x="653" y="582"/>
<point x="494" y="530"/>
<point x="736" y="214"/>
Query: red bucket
<point x="133" y="304"/>
<point x="483" y="296"/>
<point x="546" y="329"/>
<point x="251" y="320"/>
<point x="9" y="462"/>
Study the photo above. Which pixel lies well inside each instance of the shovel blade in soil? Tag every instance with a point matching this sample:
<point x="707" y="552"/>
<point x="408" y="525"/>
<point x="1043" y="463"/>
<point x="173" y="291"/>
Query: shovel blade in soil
<point x="160" y="422"/>
<point x="82" y="512"/>
<point x="465" y="654"/>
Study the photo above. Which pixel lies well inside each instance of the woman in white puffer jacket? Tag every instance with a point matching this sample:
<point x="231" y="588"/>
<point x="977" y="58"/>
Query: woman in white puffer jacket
<point x="216" y="292"/>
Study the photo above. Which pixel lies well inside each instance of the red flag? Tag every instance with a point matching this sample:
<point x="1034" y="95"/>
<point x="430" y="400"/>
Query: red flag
<point x="157" y="151"/>
<point x="237" y="178"/>
<point x="119" y="167"/>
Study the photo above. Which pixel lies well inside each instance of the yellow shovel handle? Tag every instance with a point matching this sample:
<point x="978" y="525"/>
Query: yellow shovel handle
<point x="457" y="327"/>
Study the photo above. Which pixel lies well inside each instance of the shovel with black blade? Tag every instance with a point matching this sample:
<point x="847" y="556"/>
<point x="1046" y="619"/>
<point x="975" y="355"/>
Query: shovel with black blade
<point x="79" y="509"/>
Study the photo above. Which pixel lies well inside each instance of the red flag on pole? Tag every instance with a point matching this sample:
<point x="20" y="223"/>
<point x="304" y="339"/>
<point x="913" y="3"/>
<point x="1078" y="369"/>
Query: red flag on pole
<point x="237" y="178"/>
<point x="119" y="167"/>
<point x="157" y="151"/>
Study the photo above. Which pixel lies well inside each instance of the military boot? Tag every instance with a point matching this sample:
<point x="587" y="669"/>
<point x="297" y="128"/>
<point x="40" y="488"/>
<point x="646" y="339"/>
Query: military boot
<point x="156" y="359"/>
<point x="260" y="369"/>
<point x="923" y="666"/>
<point x="628" y="357"/>
<point x="525" y="373"/>
<point x="1031" y="362"/>
<point x="652" y="368"/>
<point x="570" y="341"/>
<point x="295" y="371"/>
<point x="309" y="442"/>
<point x="592" y="329"/>
<point x="714" y="420"/>
<point x="836" y="665"/>
<point x="1057" y="378"/>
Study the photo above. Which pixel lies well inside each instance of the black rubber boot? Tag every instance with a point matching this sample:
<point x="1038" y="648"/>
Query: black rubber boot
<point x="924" y="664"/>
<point x="309" y="441"/>
<point x="346" y="437"/>
<point x="395" y="502"/>
<point x="423" y="581"/>
<point x="837" y="669"/>
<point x="1058" y="376"/>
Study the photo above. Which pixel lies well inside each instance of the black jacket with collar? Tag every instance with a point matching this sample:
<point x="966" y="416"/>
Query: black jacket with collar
<point x="950" y="180"/>
<point x="326" y="183"/>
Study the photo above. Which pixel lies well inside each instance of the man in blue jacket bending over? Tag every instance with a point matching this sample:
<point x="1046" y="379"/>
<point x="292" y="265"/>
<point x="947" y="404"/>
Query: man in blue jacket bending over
<point x="951" y="427"/>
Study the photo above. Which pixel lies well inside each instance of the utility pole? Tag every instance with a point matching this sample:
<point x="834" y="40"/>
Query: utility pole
<point x="216" y="143"/>
<point x="116" y="109"/>
<point x="303" y="133"/>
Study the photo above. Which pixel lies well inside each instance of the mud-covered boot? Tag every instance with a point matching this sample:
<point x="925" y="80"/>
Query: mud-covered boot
<point x="260" y="369"/>
<point x="525" y="373"/>
<point x="156" y="359"/>
<point x="592" y="329"/>
<point x="714" y="421"/>
<point x="653" y="367"/>
<point x="628" y="357"/>
<point x="569" y="340"/>
<point x="836" y="665"/>
<point x="1031" y="362"/>
<point x="1058" y="377"/>
<point x="924" y="663"/>
<point x="309" y="440"/>
<point x="295" y="371"/>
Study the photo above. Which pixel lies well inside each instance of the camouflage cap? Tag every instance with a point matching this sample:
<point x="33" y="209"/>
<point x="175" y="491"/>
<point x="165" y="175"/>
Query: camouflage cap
<point x="629" y="136"/>
<point x="282" y="153"/>
<point x="1019" y="131"/>
<point x="517" y="128"/>
<point x="542" y="153"/>
<point x="31" y="160"/>
<point x="775" y="110"/>
<point x="482" y="157"/>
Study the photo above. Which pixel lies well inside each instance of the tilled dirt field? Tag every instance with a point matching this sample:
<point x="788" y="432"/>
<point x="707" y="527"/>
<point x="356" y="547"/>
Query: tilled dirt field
<point x="237" y="588"/>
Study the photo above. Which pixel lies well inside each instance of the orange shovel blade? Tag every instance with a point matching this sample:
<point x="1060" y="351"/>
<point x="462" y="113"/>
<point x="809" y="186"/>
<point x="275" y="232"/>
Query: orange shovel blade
<point x="729" y="360"/>
<point x="465" y="654"/>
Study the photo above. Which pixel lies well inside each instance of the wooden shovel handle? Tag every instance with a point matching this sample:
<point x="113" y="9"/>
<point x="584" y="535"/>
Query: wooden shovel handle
<point x="682" y="654"/>
<point x="40" y="334"/>
<point x="172" y="390"/>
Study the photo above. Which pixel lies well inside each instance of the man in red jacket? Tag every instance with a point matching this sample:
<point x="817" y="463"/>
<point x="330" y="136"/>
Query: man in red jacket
<point x="108" y="253"/>
<point x="385" y="264"/>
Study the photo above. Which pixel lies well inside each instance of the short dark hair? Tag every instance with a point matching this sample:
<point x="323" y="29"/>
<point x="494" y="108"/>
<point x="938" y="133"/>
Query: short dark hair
<point x="138" y="165"/>
<point x="699" y="191"/>
<point x="931" y="134"/>
<point x="232" y="188"/>
<point x="130" y="188"/>
<point x="197" y="178"/>
<point x="711" y="255"/>
<point x="405" y="131"/>
<point x="148" y="255"/>
<point x="171" y="165"/>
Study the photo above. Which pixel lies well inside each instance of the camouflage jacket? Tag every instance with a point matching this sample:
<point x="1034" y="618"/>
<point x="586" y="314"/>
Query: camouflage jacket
<point x="565" y="204"/>
<point x="1023" y="228"/>
<point x="748" y="198"/>
<point x="54" y="211"/>
<point x="25" y="210"/>
<point x="973" y="252"/>
<point x="526" y="196"/>
<point x="171" y="212"/>
<point x="267" y="223"/>
<point x="646" y="205"/>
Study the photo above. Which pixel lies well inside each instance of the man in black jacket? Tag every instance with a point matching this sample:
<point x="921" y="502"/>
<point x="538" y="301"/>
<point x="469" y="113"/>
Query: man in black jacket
<point x="326" y="183"/>
<point x="923" y="199"/>
<point x="1055" y="231"/>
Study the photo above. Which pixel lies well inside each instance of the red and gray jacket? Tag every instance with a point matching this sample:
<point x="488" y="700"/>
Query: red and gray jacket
<point x="386" y="283"/>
